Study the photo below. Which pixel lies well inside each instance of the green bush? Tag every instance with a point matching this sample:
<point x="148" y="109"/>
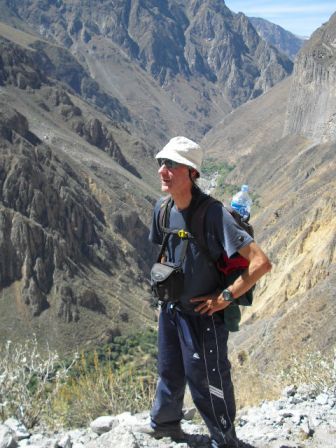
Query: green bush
<point x="211" y="167"/>
<point x="224" y="191"/>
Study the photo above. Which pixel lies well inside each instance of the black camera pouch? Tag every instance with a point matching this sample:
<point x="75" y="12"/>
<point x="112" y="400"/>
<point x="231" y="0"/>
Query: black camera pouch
<point x="167" y="279"/>
<point x="167" y="282"/>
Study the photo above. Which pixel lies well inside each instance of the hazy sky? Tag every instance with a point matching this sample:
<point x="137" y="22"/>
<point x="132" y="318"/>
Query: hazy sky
<point x="301" y="17"/>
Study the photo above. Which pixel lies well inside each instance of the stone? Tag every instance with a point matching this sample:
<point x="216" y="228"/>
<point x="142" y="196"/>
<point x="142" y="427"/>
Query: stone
<point x="322" y="399"/>
<point x="189" y="413"/>
<point x="18" y="428"/>
<point x="104" y="424"/>
<point x="126" y="418"/>
<point x="295" y="399"/>
<point x="120" y="439"/>
<point x="305" y="427"/>
<point x="279" y="405"/>
<point x="7" y="437"/>
<point x="305" y="391"/>
<point x="65" y="442"/>
<point x="289" y="391"/>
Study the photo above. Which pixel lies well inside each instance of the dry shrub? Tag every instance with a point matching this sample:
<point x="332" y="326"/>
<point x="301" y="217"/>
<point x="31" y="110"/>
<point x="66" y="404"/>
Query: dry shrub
<point x="314" y="368"/>
<point x="252" y="385"/>
<point x="102" y="391"/>
<point x="28" y="381"/>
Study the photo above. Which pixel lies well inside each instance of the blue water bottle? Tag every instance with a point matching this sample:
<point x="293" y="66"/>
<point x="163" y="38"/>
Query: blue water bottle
<point x="242" y="202"/>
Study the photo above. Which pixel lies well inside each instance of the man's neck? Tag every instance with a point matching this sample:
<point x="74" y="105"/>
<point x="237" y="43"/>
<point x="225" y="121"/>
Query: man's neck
<point x="182" y="199"/>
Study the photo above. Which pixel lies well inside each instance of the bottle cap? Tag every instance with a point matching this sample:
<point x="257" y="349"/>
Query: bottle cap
<point x="245" y="187"/>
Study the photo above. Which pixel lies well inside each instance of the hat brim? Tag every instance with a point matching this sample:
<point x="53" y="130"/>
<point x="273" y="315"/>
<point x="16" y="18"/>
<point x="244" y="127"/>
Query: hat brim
<point x="168" y="154"/>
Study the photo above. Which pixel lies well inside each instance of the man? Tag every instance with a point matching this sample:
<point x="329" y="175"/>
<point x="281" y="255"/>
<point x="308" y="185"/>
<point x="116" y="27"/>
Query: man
<point x="192" y="334"/>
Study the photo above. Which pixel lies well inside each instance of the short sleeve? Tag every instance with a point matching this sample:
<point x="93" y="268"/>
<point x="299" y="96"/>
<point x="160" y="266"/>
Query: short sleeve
<point x="223" y="233"/>
<point x="155" y="234"/>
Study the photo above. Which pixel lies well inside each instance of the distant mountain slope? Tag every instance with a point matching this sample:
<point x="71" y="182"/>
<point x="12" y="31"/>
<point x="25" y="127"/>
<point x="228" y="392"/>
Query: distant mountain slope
<point x="250" y="127"/>
<point x="190" y="61"/>
<point x="283" y="40"/>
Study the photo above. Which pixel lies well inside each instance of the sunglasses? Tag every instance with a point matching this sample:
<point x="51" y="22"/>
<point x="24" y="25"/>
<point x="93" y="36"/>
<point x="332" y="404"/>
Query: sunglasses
<point x="170" y="164"/>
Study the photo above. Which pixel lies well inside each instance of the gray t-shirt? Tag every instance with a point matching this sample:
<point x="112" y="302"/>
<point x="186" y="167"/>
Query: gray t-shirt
<point x="222" y="234"/>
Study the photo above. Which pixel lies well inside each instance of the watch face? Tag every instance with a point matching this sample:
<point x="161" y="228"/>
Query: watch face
<point x="227" y="295"/>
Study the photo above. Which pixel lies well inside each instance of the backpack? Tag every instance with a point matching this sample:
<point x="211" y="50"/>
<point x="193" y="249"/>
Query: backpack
<point x="228" y="269"/>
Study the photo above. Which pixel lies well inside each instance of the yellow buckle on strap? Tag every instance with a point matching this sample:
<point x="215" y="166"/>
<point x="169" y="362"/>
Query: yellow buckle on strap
<point x="182" y="233"/>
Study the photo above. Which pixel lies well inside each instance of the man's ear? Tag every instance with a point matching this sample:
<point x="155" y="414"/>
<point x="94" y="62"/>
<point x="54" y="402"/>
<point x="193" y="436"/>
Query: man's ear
<point x="194" y="173"/>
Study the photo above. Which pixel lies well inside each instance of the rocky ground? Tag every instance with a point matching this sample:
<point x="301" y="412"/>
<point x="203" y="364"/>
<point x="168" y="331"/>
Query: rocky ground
<point x="300" y="418"/>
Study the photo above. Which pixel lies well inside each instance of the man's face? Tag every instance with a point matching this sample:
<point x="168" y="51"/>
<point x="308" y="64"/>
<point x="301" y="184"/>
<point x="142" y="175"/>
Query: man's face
<point x="174" y="177"/>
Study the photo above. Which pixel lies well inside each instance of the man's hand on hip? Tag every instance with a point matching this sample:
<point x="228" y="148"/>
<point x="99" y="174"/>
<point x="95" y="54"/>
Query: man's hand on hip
<point x="210" y="303"/>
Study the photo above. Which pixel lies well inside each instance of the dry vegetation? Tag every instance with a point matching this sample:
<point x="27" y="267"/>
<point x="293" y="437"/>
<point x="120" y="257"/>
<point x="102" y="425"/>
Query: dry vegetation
<point x="39" y="389"/>
<point x="253" y="385"/>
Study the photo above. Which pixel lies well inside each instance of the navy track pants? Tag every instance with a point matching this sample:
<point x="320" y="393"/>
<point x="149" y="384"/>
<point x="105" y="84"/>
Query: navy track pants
<point x="193" y="350"/>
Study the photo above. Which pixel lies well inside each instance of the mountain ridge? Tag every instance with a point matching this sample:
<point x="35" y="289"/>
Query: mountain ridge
<point x="284" y="40"/>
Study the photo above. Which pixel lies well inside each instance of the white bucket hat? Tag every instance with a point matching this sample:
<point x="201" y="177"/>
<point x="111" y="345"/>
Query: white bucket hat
<point x="184" y="151"/>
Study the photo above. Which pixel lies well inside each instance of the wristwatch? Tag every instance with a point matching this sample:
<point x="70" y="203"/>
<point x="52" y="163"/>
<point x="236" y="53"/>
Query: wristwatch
<point x="227" y="294"/>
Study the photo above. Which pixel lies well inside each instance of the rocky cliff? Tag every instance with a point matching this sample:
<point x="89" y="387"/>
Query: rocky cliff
<point x="59" y="254"/>
<point x="70" y="201"/>
<point x="312" y="101"/>
<point x="49" y="224"/>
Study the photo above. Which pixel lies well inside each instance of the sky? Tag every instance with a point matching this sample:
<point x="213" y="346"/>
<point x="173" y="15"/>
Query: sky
<point x="300" y="17"/>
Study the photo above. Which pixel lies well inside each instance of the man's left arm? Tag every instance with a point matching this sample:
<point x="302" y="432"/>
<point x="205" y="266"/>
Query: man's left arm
<point x="259" y="265"/>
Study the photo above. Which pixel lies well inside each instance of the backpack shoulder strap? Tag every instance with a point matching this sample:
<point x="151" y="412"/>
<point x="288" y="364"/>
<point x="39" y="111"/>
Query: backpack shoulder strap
<point x="197" y="219"/>
<point x="164" y="214"/>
